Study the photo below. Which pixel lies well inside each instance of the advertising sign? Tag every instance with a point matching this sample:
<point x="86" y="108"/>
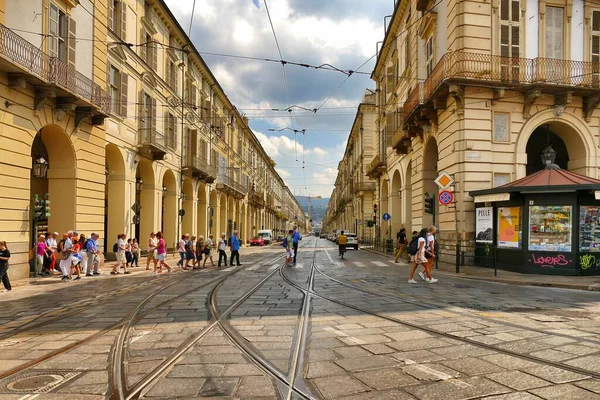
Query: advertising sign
<point x="484" y="225"/>
<point x="509" y="227"/>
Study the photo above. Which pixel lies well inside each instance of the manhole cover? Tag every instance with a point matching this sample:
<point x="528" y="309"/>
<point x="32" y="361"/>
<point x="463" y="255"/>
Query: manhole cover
<point x="37" y="382"/>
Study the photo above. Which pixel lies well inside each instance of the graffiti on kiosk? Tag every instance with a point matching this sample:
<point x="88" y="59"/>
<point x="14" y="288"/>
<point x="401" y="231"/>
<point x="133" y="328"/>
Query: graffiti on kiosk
<point x="587" y="261"/>
<point x="550" y="261"/>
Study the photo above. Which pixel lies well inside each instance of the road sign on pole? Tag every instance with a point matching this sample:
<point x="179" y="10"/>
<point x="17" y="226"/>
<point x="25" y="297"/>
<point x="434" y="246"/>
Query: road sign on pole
<point x="386" y="217"/>
<point x="444" y="180"/>
<point x="446" y="197"/>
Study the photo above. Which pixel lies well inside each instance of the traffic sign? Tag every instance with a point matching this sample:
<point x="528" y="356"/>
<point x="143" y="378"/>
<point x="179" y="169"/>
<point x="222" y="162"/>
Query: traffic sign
<point x="386" y="217"/>
<point x="444" y="180"/>
<point x="446" y="197"/>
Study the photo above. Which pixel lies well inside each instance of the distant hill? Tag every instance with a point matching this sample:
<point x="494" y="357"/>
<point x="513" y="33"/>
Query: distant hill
<point x="319" y="207"/>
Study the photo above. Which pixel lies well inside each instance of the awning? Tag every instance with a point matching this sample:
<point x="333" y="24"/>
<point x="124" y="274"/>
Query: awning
<point x="489" y="198"/>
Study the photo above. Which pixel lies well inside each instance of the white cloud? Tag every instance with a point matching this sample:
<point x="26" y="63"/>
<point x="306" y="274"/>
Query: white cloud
<point x="283" y="173"/>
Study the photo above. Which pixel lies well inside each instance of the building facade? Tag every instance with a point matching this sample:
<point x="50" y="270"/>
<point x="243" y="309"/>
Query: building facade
<point x="132" y="130"/>
<point x="479" y="89"/>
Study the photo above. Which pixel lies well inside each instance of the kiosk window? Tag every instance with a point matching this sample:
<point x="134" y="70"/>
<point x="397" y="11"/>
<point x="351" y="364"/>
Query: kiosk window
<point x="589" y="229"/>
<point x="509" y="227"/>
<point x="550" y="228"/>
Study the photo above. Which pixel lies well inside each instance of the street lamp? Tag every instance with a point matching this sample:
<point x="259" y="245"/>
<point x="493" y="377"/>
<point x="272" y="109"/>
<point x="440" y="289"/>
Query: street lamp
<point x="40" y="168"/>
<point x="139" y="185"/>
<point x="548" y="157"/>
<point x="164" y="191"/>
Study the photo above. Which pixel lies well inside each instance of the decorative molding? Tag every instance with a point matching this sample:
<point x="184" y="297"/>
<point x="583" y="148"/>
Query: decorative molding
<point x="589" y="105"/>
<point x="458" y="93"/>
<point x="529" y="99"/>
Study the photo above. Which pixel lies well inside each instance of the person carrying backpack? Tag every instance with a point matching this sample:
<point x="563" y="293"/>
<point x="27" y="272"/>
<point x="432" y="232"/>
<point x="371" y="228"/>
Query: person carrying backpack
<point x="401" y="242"/>
<point x="287" y="245"/>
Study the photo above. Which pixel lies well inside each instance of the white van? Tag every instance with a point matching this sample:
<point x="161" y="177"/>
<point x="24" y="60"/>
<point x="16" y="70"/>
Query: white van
<point x="267" y="235"/>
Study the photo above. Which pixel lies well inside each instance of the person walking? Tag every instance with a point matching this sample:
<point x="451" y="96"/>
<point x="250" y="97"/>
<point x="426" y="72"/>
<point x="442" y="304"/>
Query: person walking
<point x="287" y="245"/>
<point x="420" y="257"/>
<point x="342" y="242"/>
<point x="235" y="249"/>
<point x="4" y="257"/>
<point x="152" y="241"/>
<point x="120" y="248"/>
<point x="222" y="245"/>
<point x="190" y="244"/>
<point x="296" y="237"/>
<point x="51" y="247"/>
<point x="76" y="257"/>
<point x="161" y="253"/>
<point x="128" y="254"/>
<point x="135" y="252"/>
<point x="430" y="245"/>
<point x="199" y="251"/>
<point x="66" y="250"/>
<point x="91" y="249"/>
<point x="181" y="250"/>
<point x="401" y="245"/>
<point x="208" y="244"/>
<point x="40" y="252"/>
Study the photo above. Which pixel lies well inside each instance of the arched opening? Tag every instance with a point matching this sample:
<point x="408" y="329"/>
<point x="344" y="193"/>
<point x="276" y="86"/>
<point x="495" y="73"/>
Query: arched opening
<point x="223" y="213"/>
<point x="230" y="216"/>
<point x="145" y="196"/>
<point x="542" y="137"/>
<point x="187" y="221"/>
<point x="116" y="211"/>
<point x="396" y="197"/>
<point x="55" y="181"/>
<point x="408" y="199"/>
<point x="430" y="172"/>
<point x="170" y="218"/>
<point x="384" y="226"/>
<point x="203" y="228"/>
<point x="212" y="214"/>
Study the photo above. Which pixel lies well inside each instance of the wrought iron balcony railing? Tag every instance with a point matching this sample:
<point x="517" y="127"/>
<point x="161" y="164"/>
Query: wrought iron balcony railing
<point x="228" y="184"/>
<point x="200" y="168"/>
<point x="51" y="70"/>
<point x="498" y="72"/>
<point x="376" y="167"/>
<point x="153" y="142"/>
<point x="256" y="199"/>
<point x="365" y="187"/>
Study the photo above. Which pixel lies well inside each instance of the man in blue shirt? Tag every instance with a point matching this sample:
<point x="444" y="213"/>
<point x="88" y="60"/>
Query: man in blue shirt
<point x="235" y="248"/>
<point x="295" y="238"/>
<point x="91" y="247"/>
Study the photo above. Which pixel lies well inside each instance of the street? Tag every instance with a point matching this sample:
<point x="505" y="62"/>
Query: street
<point x="327" y="328"/>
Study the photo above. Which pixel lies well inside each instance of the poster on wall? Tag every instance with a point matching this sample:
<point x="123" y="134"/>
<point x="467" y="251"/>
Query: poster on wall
<point x="484" y="225"/>
<point x="509" y="227"/>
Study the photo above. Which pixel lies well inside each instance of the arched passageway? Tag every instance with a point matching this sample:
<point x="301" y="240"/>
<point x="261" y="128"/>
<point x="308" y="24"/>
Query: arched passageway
<point x="396" y="198"/>
<point x="203" y="228"/>
<point x="212" y="214"/>
<point x="146" y="196"/>
<point x="187" y="221"/>
<point x="116" y="212"/>
<point x="170" y="218"/>
<point x="384" y="226"/>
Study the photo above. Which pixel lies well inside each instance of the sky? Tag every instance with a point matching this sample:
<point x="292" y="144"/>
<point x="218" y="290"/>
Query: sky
<point x="342" y="33"/>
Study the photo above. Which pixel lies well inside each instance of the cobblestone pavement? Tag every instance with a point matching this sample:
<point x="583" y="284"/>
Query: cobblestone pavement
<point x="326" y="328"/>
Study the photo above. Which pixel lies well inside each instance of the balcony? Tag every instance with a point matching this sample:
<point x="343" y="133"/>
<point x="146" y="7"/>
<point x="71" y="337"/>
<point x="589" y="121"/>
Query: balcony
<point x="256" y="199"/>
<point x="200" y="168"/>
<point x="562" y="78"/>
<point x="401" y="141"/>
<point x="51" y="78"/>
<point x="376" y="168"/>
<point x="227" y="184"/>
<point x="365" y="187"/>
<point x="152" y="143"/>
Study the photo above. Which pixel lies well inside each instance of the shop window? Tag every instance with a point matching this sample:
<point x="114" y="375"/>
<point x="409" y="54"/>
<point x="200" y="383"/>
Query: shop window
<point x="550" y="228"/>
<point x="509" y="228"/>
<point x="589" y="229"/>
<point x="501" y="130"/>
<point x="501" y="179"/>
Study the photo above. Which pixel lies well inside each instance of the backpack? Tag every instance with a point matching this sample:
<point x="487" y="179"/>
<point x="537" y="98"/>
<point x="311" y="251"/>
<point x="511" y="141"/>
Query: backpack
<point x="413" y="246"/>
<point x="284" y="243"/>
<point x="115" y="247"/>
<point x="60" y="245"/>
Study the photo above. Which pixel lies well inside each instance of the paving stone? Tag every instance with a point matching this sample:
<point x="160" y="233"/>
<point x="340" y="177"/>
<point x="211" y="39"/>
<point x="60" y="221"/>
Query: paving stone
<point x="460" y="351"/>
<point x="350" y="352"/>
<point x="368" y="339"/>
<point x="176" y="387"/>
<point x="552" y="355"/>
<point x="592" y="385"/>
<point x="378" y="348"/>
<point x="576" y="349"/>
<point x="213" y="359"/>
<point x="408" y="335"/>
<point x="409" y="345"/>
<point x="430" y="372"/>
<point x="457" y="389"/>
<point x="388" y="378"/>
<point x="555" y="375"/>
<point x="321" y="355"/>
<point x="509" y="362"/>
<point x="567" y="391"/>
<point x="417" y="356"/>
<point x="256" y="386"/>
<point x="369" y="362"/>
<point x="513" y="396"/>
<point x="241" y="370"/>
<point x="196" y="371"/>
<point x="382" y="395"/>
<point x="589" y="363"/>
<point x="323" y="368"/>
<point x="518" y="380"/>
<point x="472" y="366"/>
<point x="341" y="385"/>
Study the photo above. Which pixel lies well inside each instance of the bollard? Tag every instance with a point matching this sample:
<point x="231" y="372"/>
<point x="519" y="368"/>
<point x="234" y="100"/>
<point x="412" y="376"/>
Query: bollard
<point x="457" y="257"/>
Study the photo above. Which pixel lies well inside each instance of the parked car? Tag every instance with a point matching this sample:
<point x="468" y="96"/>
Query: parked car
<point x="266" y="235"/>
<point x="352" y="241"/>
<point x="280" y="238"/>
<point x="257" y="241"/>
<point x="323" y="236"/>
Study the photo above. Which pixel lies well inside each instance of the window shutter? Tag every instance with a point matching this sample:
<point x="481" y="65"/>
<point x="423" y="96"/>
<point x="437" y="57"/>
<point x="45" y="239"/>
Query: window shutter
<point x="124" y="83"/>
<point x="510" y="38"/>
<point x="554" y="32"/>
<point x="176" y="77"/>
<point x="152" y="115"/>
<point x="154" y="49"/>
<point x="141" y="113"/>
<point x="143" y="49"/>
<point x="53" y="28"/>
<point x="168" y="73"/>
<point x="595" y="50"/>
<point x="194" y="95"/>
<point x="72" y="41"/>
<point x="111" y="10"/>
<point x="123" y="21"/>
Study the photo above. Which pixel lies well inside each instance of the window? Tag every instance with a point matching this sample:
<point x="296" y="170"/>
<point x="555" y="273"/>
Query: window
<point x="171" y="130"/>
<point x="501" y="131"/>
<point x="550" y="228"/>
<point x="115" y="88"/>
<point x="510" y="38"/>
<point x="117" y="18"/>
<point x="62" y="35"/>
<point x="501" y="178"/>
<point x="429" y="60"/>
<point x="595" y="48"/>
<point x="148" y="51"/>
<point x="589" y="229"/>
<point x="172" y="74"/>
<point x="554" y="32"/>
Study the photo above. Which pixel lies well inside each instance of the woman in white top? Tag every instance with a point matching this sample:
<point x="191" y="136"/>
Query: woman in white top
<point x="430" y="245"/>
<point x="121" y="260"/>
<point x="420" y="257"/>
<point x="151" y="250"/>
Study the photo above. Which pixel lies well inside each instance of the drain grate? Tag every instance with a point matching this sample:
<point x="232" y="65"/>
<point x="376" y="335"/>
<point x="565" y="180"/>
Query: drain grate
<point x="37" y="381"/>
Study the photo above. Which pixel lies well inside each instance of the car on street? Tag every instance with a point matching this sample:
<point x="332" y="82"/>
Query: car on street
<point x="323" y="236"/>
<point x="352" y="241"/>
<point x="266" y="235"/>
<point x="257" y="241"/>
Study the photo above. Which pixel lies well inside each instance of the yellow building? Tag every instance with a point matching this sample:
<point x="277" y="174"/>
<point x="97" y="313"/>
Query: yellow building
<point x="136" y="133"/>
<point x="479" y="89"/>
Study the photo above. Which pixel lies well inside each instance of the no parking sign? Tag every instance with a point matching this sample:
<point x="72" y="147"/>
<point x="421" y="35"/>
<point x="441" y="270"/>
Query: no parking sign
<point x="445" y="197"/>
